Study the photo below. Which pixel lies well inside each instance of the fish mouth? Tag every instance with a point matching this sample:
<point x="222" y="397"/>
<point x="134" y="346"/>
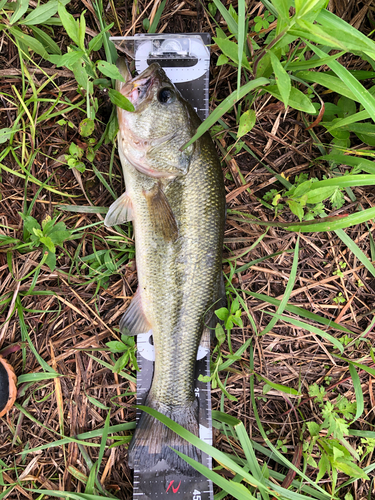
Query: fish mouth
<point x="137" y="89"/>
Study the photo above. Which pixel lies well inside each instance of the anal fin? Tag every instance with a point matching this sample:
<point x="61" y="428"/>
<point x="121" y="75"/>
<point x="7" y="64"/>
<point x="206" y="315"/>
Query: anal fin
<point x="120" y="211"/>
<point x="134" y="320"/>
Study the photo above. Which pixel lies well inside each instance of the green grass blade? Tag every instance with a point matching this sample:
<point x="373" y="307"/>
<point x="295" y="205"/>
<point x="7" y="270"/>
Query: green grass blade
<point x="225" y="106"/>
<point x="232" y="25"/>
<point x="250" y="455"/>
<point x="361" y="115"/>
<point x="155" y="22"/>
<point x="83" y="209"/>
<point x="26" y="336"/>
<point x="366" y="368"/>
<point x="236" y="490"/>
<point x="312" y="329"/>
<point x="107" y="365"/>
<point x="257" y="261"/>
<point x="203" y="446"/>
<point x="288" y="291"/>
<point x="81" y="438"/>
<point x="240" y="39"/>
<point x="362" y="95"/>
<point x="334" y="223"/>
<point x="353" y="161"/>
<point x="68" y="494"/>
<point x="358" y="392"/>
<point x="353" y="247"/>
<point x="299" y="311"/>
<point x="276" y="452"/>
<point x="329" y="20"/>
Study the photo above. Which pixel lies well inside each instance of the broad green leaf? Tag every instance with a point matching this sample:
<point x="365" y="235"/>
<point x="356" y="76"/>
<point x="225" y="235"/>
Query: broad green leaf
<point x="82" y="31"/>
<point x="309" y="9"/>
<point x="315" y="34"/>
<point x="50" y="45"/>
<point x="46" y="240"/>
<point x="70" y="24"/>
<point x="297" y="99"/>
<point x="330" y="82"/>
<point x="120" y="100"/>
<point x="247" y="122"/>
<point x="69" y="59"/>
<point x="20" y="8"/>
<point x="282" y="78"/>
<point x="86" y="127"/>
<point x="364" y="131"/>
<point x="230" y="49"/>
<point x="110" y="70"/>
<point x="225" y="106"/>
<point x="222" y="59"/>
<point x="96" y="43"/>
<point x="80" y="74"/>
<point x="41" y="13"/>
<point x="5" y="134"/>
<point x="282" y="7"/>
<point x="296" y="208"/>
<point x="317" y="195"/>
<point x="29" y="41"/>
<point x="117" y="346"/>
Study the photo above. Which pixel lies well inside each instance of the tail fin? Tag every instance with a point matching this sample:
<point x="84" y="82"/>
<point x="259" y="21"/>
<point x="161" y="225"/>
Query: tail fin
<point x="152" y="440"/>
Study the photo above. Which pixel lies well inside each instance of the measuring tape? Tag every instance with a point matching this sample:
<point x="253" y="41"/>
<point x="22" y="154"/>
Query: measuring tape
<point x="186" y="61"/>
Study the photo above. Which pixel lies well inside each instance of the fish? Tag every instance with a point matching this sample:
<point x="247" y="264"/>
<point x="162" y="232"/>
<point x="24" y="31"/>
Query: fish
<point x="175" y="198"/>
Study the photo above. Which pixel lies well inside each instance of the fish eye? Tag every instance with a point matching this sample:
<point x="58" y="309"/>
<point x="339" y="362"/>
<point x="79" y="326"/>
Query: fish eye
<point x="165" y="96"/>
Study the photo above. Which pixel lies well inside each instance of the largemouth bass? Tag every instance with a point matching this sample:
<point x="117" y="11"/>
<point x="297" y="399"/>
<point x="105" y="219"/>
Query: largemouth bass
<point x="176" y="201"/>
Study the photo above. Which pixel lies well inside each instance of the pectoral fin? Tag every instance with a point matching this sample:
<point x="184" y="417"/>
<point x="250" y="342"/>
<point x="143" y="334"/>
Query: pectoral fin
<point x="161" y="213"/>
<point x="134" y="320"/>
<point x="120" y="211"/>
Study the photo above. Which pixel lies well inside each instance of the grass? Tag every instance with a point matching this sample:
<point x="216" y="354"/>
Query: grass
<point x="292" y="109"/>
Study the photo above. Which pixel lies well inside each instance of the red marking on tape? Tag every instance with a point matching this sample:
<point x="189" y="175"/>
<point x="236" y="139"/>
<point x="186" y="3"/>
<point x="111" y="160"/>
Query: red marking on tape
<point x="175" y="490"/>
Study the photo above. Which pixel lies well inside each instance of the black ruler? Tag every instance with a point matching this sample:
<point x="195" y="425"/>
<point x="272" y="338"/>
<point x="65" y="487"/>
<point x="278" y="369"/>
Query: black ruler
<point x="159" y="482"/>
